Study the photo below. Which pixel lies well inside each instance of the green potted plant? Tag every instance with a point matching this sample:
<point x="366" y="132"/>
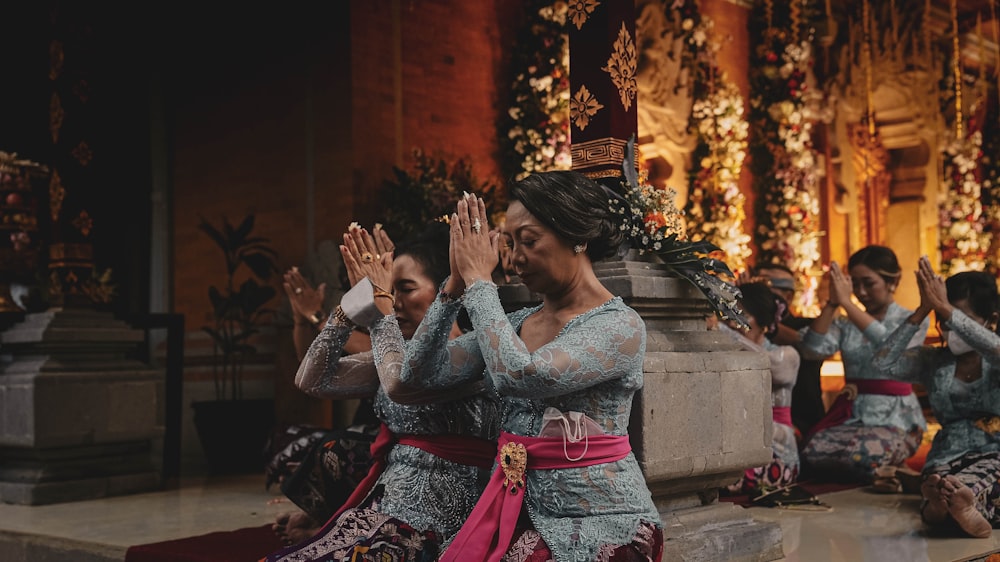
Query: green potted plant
<point x="233" y="430"/>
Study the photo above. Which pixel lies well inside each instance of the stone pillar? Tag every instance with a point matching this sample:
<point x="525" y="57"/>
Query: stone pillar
<point x="77" y="417"/>
<point x="704" y="413"/>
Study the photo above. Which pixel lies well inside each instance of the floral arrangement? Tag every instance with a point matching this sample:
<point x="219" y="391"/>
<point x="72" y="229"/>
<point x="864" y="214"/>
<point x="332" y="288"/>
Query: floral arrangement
<point x="990" y="173"/>
<point x="715" y="208"/>
<point x="430" y="190"/>
<point x="535" y="130"/>
<point x="783" y="160"/>
<point x="965" y="242"/>
<point x="653" y="225"/>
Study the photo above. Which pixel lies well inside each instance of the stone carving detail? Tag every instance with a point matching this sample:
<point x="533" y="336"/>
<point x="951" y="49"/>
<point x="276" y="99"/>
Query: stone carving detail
<point x="666" y="97"/>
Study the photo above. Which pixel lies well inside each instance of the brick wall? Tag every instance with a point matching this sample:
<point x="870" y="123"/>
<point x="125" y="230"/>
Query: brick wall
<point x="376" y="78"/>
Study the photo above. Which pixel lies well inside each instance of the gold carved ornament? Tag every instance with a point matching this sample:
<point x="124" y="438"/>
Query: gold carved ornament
<point x="582" y="106"/>
<point x="513" y="461"/>
<point x="56" y="194"/>
<point x="56" y="116"/>
<point x="621" y="67"/>
<point x="579" y="10"/>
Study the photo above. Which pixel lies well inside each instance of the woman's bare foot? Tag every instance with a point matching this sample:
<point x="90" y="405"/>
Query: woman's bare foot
<point x="294" y="527"/>
<point x="935" y="510"/>
<point x="962" y="507"/>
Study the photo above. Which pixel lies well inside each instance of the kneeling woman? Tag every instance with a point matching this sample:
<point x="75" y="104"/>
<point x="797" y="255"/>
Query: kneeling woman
<point x="961" y="477"/>
<point x="567" y="486"/>
<point x="431" y="461"/>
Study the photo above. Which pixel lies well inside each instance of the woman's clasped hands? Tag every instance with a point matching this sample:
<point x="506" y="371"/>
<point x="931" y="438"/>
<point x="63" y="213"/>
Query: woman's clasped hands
<point x="474" y="252"/>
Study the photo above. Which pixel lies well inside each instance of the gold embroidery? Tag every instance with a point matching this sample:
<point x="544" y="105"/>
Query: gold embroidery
<point x="621" y="67"/>
<point x="989" y="424"/>
<point x="513" y="460"/>
<point x="582" y="107"/>
<point x="579" y="9"/>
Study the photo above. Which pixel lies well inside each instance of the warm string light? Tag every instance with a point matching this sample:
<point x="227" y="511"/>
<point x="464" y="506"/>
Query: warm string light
<point x="957" y="70"/>
<point x="981" y="78"/>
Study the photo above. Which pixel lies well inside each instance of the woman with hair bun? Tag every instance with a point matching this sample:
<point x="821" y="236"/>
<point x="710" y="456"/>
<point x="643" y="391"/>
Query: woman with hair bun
<point x="961" y="478"/>
<point x="567" y="485"/>
<point x="876" y="423"/>
<point x="764" y="311"/>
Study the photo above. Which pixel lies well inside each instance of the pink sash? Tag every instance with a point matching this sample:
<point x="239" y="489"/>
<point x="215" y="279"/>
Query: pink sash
<point x="461" y="449"/>
<point x="843" y="406"/>
<point x="490" y="527"/>
<point x="782" y="414"/>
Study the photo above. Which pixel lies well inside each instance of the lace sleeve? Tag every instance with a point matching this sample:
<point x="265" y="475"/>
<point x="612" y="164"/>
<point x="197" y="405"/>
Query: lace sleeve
<point x="326" y="373"/>
<point x="986" y="342"/>
<point x="389" y="350"/>
<point x="815" y="345"/>
<point x="432" y="362"/>
<point x="899" y="360"/>
<point x="598" y="346"/>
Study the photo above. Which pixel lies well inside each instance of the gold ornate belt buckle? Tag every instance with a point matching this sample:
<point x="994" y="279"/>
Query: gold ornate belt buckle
<point x="989" y="424"/>
<point x="514" y="461"/>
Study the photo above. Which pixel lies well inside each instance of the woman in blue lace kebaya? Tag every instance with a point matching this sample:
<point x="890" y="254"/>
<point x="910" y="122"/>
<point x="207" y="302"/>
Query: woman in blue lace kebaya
<point x="875" y="422"/>
<point x="961" y="477"/>
<point x="567" y="486"/>
<point x="764" y="311"/>
<point x="431" y="460"/>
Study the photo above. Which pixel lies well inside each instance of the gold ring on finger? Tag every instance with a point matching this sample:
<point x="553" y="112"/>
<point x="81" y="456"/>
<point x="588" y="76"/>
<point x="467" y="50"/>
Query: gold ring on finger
<point x="298" y="290"/>
<point x="366" y="257"/>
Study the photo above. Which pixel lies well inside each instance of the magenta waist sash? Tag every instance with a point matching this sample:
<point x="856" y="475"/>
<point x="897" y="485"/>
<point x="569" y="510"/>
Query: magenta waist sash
<point x="490" y="527"/>
<point x="461" y="449"/>
<point x="781" y="414"/>
<point x="843" y="406"/>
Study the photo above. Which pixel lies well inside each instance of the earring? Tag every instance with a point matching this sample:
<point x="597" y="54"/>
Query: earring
<point x="579" y="248"/>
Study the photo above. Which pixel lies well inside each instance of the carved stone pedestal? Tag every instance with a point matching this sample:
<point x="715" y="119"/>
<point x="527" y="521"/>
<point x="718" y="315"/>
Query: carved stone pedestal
<point x="701" y="419"/>
<point x="77" y="417"/>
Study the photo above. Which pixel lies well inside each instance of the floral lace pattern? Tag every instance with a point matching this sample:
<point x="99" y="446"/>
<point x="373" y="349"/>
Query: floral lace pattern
<point x="857" y="350"/>
<point x="956" y="404"/>
<point x="426" y="491"/>
<point x="593" y="366"/>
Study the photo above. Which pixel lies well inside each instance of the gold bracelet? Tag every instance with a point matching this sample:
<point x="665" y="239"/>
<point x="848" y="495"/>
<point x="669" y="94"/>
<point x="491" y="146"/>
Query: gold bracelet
<point x="380" y="292"/>
<point x="341" y="317"/>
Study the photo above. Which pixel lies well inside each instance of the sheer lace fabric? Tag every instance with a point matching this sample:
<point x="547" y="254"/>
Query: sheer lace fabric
<point x="857" y="350"/>
<point x="955" y="403"/>
<point x="426" y="491"/>
<point x="593" y="366"/>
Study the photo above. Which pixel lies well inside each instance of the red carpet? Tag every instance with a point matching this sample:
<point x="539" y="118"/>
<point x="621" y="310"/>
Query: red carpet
<point x="242" y="545"/>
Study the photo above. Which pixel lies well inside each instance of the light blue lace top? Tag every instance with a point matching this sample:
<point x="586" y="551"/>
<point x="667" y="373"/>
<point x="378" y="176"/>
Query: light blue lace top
<point x="426" y="491"/>
<point x="593" y="366"/>
<point x="857" y="349"/>
<point x="956" y="404"/>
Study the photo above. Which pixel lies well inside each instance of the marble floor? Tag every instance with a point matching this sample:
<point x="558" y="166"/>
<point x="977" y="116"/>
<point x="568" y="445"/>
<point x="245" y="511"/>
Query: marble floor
<point x="861" y="527"/>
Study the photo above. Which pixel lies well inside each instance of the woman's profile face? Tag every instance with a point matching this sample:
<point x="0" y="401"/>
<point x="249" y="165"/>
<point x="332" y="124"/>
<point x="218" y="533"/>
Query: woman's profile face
<point x="542" y="260"/>
<point x="414" y="292"/>
<point x="871" y="289"/>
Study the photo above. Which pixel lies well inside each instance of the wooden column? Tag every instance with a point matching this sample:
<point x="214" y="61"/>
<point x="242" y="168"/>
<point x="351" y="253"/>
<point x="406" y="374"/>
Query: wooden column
<point x="603" y="91"/>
